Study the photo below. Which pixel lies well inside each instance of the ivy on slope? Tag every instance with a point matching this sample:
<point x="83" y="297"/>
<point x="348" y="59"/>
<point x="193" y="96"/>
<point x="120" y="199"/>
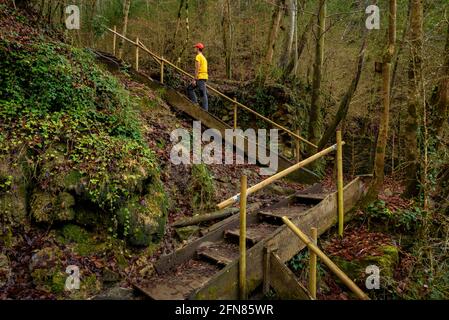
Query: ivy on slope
<point x="71" y="147"/>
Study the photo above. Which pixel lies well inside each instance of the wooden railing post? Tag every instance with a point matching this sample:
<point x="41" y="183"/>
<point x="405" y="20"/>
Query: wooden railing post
<point x="312" y="264"/>
<point x="328" y="262"/>
<point x="235" y="113"/>
<point x="137" y="54"/>
<point x="242" y="244"/>
<point x="162" y="69"/>
<point x="298" y="148"/>
<point x="340" y="198"/>
<point x="266" y="270"/>
<point x="114" y="41"/>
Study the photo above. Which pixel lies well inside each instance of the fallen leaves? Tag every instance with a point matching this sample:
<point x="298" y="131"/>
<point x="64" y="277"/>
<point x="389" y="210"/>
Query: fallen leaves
<point x="357" y="243"/>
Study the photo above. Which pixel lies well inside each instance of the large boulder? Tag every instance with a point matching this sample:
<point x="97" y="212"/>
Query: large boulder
<point x="143" y="218"/>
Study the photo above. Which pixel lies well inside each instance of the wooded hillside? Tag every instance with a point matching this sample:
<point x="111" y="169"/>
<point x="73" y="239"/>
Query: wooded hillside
<point x="85" y="170"/>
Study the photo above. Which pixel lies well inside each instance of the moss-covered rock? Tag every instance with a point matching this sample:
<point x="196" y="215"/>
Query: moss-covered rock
<point x="47" y="207"/>
<point x="72" y="181"/>
<point x="116" y="293"/>
<point x="90" y="216"/>
<point x="43" y="206"/>
<point x="135" y="179"/>
<point x="13" y="192"/>
<point x="81" y="241"/>
<point x="185" y="233"/>
<point x="274" y="189"/>
<point x="110" y="276"/>
<point x="65" y="204"/>
<point x="13" y="206"/>
<point x="143" y="218"/>
<point x="7" y="237"/>
<point x="386" y="262"/>
<point x="74" y="233"/>
<point x="47" y="270"/>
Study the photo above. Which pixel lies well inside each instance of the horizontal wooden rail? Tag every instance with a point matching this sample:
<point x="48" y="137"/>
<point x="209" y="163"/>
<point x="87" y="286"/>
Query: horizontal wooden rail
<point x="277" y="176"/>
<point x="165" y="61"/>
<point x="328" y="262"/>
<point x="152" y="55"/>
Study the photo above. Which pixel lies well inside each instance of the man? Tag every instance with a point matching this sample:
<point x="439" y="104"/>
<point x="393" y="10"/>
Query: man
<point x="201" y="77"/>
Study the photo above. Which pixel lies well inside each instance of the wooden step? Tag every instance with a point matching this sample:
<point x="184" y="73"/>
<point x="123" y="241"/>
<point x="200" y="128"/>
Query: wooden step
<point x="179" y="283"/>
<point x="309" y="198"/>
<point x="221" y="253"/>
<point x="275" y="215"/>
<point x="254" y="233"/>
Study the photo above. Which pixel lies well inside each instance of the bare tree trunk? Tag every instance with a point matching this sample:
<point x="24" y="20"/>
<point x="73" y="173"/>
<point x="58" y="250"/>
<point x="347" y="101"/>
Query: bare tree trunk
<point x="227" y="36"/>
<point x="274" y="31"/>
<point x="382" y="137"/>
<point x="345" y="102"/>
<point x="187" y="39"/>
<point x="315" y="116"/>
<point x="287" y="54"/>
<point x="441" y="111"/>
<point x="415" y="98"/>
<point x="301" y="45"/>
<point x="169" y="50"/>
<point x="126" y="7"/>
<point x="399" y="50"/>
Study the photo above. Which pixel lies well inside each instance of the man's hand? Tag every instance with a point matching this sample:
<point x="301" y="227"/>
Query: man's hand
<point x="194" y="82"/>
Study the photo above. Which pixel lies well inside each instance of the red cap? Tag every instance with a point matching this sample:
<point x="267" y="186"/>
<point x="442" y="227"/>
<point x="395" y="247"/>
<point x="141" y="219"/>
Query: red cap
<point x="199" y="46"/>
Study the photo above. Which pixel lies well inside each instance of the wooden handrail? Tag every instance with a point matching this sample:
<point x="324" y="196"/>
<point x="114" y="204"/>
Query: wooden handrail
<point x="165" y="61"/>
<point x="328" y="262"/>
<point x="277" y="176"/>
<point x="148" y="51"/>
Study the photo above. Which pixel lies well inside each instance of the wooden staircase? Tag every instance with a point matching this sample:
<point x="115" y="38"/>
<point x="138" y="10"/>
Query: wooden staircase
<point x="207" y="268"/>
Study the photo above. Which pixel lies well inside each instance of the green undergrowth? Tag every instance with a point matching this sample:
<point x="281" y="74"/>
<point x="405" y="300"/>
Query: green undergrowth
<point x="399" y="221"/>
<point x="201" y="188"/>
<point x="71" y="145"/>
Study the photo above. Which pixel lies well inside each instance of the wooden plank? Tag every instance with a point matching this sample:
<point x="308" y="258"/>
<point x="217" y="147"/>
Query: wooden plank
<point x="266" y="269"/>
<point x="251" y="237"/>
<point x="224" y="284"/>
<point x="254" y="233"/>
<point x="165" y="292"/>
<point x="250" y="208"/>
<point x="220" y="214"/>
<point x="179" y="256"/>
<point x="221" y="253"/>
<point x="284" y="282"/>
<point x="309" y="197"/>
<point x="275" y="215"/>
